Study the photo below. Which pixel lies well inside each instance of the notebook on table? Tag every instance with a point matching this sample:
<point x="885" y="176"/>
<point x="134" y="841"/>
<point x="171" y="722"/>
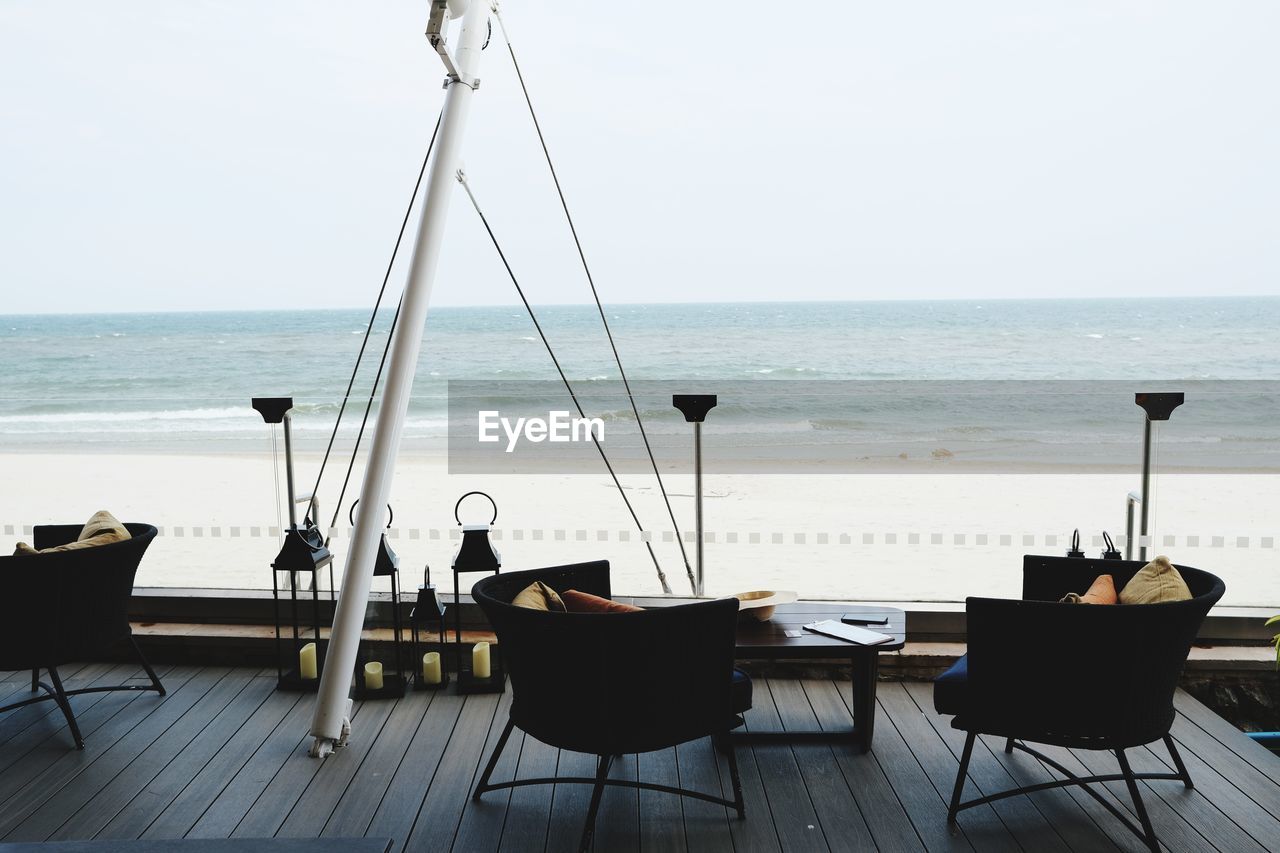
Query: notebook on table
<point x="848" y="633"/>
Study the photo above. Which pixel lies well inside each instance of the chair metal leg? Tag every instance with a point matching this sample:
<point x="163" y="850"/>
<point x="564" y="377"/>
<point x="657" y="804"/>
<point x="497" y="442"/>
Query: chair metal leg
<point x="60" y="696"/>
<point x="604" y="762"/>
<point x="738" y="801"/>
<point x="1148" y="832"/>
<point x="1008" y="746"/>
<point x="151" y="673"/>
<point x="483" y="784"/>
<point x="960" y="777"/>
<point x="1177" y="762"/>
<point x="35" y="679"/>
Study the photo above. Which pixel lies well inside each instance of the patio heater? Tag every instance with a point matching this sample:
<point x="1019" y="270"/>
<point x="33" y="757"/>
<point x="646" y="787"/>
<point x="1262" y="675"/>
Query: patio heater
<point x="302" y="555"/>
<point x="475" y="554"/>
<point x="390" y="682"/>
<point x="1158" y="408"/>
<point x="695" y="408"/>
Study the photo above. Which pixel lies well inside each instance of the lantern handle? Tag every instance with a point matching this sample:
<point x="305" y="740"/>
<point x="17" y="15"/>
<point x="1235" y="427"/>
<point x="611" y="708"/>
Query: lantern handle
<point x="351" y="514"/>
<point x="458" y="505"/>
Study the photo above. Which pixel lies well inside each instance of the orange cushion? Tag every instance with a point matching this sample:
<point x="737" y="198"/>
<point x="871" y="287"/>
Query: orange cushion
<point x="585" y="602"/>
<point x="1101" y="591"/>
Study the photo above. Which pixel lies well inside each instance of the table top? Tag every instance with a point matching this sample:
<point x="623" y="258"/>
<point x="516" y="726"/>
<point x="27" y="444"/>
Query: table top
<point x="768" y="640"/>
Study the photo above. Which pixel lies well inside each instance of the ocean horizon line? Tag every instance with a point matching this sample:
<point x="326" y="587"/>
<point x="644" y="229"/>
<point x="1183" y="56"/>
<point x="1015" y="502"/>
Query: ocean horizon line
<point x="1001" y="300"/>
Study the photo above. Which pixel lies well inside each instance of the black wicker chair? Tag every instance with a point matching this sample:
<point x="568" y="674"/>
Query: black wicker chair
<point x="1075" y="675"/>
<point x="612" y="684"/>
<point x="69" y="606"/>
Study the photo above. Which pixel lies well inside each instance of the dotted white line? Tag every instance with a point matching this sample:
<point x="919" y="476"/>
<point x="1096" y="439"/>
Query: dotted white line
<point x="1050" y="541"/>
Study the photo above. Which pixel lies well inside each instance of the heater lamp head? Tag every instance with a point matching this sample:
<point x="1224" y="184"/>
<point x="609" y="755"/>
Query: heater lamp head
<point x="694" y="406"/>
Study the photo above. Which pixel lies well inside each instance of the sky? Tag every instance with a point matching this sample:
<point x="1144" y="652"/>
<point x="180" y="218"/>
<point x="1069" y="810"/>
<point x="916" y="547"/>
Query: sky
<point x="227" y="154"/>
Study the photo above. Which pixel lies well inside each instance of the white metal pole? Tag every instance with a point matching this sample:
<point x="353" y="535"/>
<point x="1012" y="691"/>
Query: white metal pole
<point x="333" y="707"/>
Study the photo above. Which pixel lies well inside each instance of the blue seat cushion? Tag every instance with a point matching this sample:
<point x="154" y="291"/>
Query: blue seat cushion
<point x="740" y="692"/>
<point x="950" y="690"/>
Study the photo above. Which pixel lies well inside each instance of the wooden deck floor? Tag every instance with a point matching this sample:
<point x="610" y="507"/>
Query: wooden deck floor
<point x="224" y="755"/>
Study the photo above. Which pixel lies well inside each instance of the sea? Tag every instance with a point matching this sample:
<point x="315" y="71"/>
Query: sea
<point x="1001" y="382"/>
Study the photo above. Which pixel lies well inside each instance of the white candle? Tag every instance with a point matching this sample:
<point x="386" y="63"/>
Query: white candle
<point x="373" y="676"/>
<point x="480" y="660"/>
<point x="307" y="661"/>
<point x="431" y="668"/>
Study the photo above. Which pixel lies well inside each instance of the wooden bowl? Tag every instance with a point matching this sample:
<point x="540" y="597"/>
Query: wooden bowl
<point x="760" y="603"/>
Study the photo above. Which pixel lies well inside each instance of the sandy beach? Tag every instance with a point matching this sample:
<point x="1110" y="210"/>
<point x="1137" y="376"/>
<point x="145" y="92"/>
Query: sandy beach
<point x="878" y="537"/>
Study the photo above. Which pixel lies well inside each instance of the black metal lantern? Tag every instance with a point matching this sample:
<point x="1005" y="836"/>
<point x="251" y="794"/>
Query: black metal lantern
<point x="299" y="659"/>
<point x="475" y="554"/>
<point x="428" y="611"/>
<point x="393" y="681"/>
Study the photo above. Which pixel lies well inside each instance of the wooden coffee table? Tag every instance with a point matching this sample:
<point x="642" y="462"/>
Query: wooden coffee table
<point x="769" y="641"/>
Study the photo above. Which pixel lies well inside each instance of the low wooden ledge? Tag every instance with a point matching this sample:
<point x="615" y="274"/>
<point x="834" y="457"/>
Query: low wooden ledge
<point x="927" y="621"/>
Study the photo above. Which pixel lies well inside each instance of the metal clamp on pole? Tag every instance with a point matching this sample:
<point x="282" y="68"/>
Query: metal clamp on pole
<point x="443" y="11"/>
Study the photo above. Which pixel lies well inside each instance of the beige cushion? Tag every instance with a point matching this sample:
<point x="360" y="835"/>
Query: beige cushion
<point x="539" y="596"/>
<point x="102" y="529"/>
<point x="103" y="522"/>
<point x="1156" y="582"/>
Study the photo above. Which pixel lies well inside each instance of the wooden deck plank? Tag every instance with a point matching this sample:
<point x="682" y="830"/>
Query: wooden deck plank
<point x="13" y="723"/>
<point x="706" y="825"/>
<point x="923" y="804"/>
<point x="569" y="802"/>
<point x="839" y="815"/>
<point x="401" y="802"/>
<point x="441" y="810"/>
<point x="108" y="737"/>
<point x="160" y="771"/>
<point x="757" y="833"/>
<point x="355" y="809"/>
<point x="1214" y="803"/>
<point x="185" y="807"/>
<point x="44" y="720"/>
<point x="221" y="756"/>
<point x="1243" y="774"/>
<point x="988" y="775"/>
<point x="982" y="826"/>
<point x="1021" y="815"/>
<point x="618" y="824"/>
<point x="1074" y="824"/>
<point x="124" y="767"/>
<point x="886" y="819"/>
<point x="236" y="798"/>
<point x="1262" y="759"/>
<point x="292" y="778"/>
<point x="661" y="815"/>
<point x="482" y="822"/>
<point x="1174" y="832"/>
<point x="529" y="810"/>
<point x="794" y="818"/>
<point x="326" y="785"/>
<point x="1115" y="831"/>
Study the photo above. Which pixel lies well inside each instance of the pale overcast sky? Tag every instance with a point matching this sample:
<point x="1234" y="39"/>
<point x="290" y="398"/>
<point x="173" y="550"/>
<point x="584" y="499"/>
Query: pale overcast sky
<point x="240" y="155"/>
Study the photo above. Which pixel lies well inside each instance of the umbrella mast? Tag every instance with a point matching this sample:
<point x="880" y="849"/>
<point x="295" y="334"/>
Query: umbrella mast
<point x="332" y="721"/>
